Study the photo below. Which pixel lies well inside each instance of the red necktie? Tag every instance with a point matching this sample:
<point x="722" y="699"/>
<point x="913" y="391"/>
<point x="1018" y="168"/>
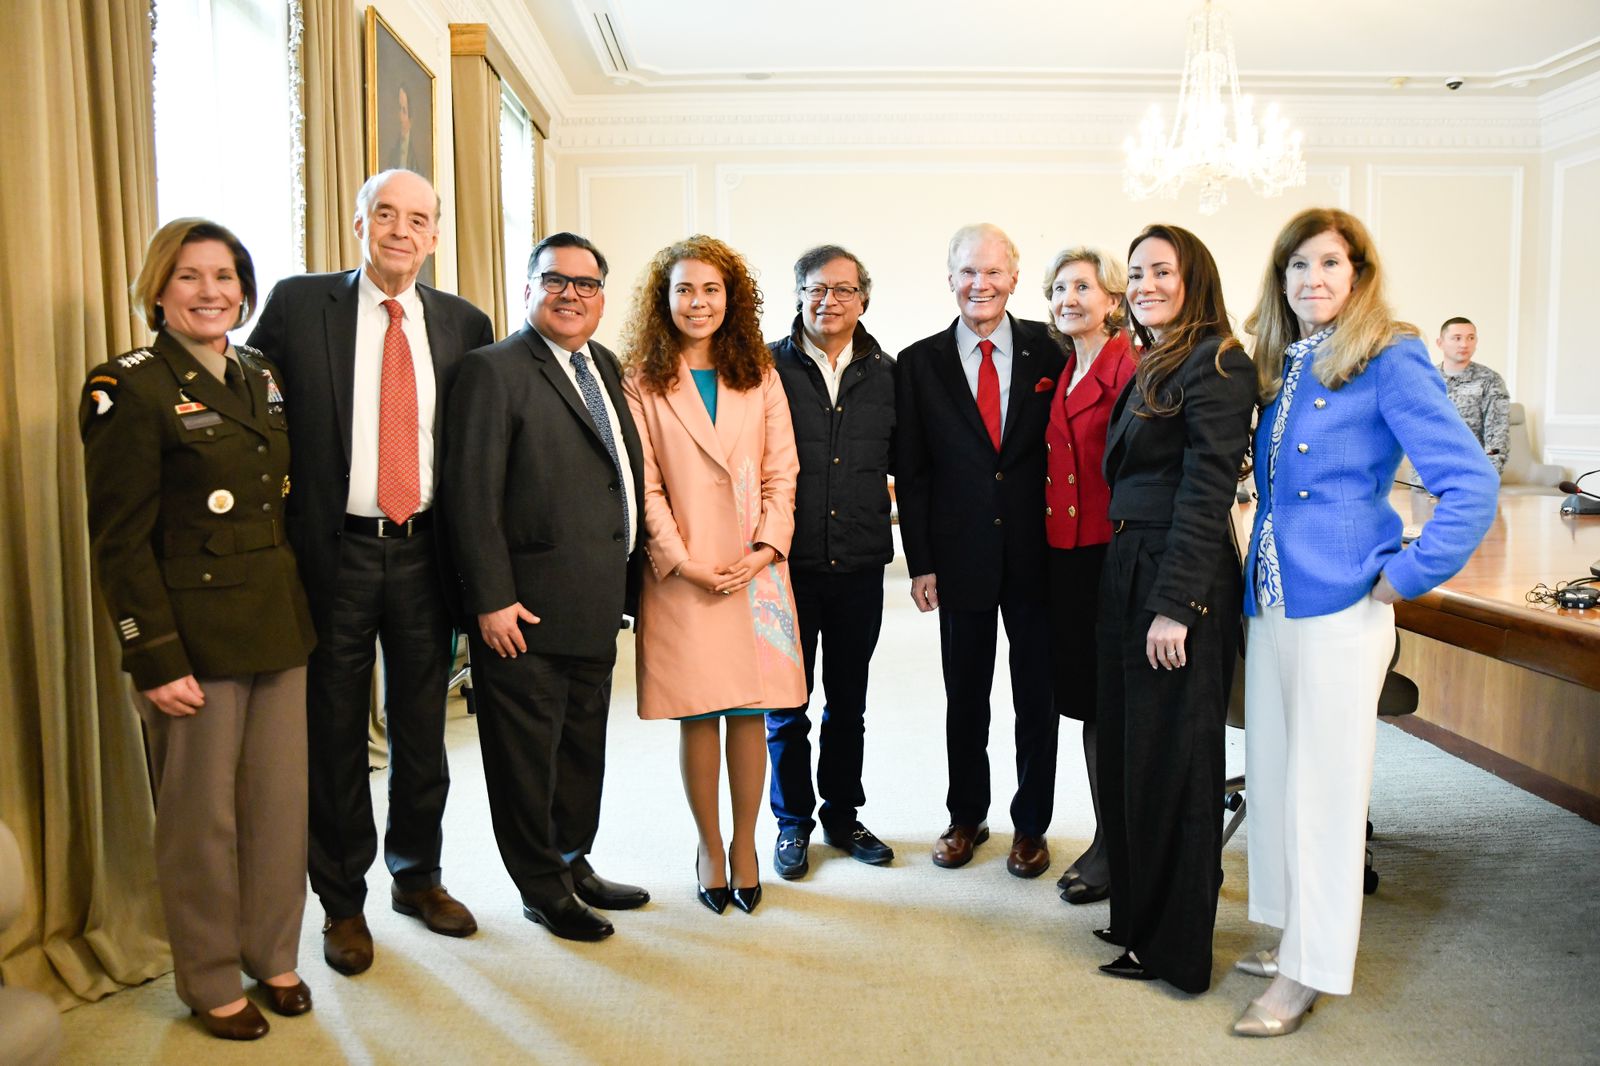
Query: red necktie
<point x="989" y="392"/>
<point x="398" y="480"/>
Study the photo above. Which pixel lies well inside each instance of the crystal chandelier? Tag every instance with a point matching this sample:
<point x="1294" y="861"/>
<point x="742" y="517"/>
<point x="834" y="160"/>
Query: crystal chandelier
<point x="1199" y="148"/>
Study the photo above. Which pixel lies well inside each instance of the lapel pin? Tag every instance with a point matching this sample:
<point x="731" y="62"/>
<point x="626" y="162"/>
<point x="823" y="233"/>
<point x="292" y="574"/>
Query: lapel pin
<point x="189" y="375"/>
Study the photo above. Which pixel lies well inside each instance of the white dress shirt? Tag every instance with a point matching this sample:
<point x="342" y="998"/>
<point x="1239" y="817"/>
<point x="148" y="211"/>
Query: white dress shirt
<point x="372" y="323"/>
<point x="832" y="374"/>
<point x="972" y="359"/>
<point x="563" y="359"/>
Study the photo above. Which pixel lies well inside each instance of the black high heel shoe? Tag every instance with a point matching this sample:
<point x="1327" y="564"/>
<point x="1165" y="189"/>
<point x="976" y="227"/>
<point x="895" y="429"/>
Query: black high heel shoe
<point x="746" y="899"/>
<point x="715" y="898"/>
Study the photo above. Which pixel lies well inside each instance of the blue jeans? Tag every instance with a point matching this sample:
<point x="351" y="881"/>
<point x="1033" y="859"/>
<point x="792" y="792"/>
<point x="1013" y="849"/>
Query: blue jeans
<point x="844" y="612"/>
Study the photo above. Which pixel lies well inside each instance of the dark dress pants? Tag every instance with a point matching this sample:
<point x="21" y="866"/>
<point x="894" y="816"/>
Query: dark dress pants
<point x="1161" y="761"/>
<point x="1074" y="611"/>
<point x="844" y="611"/>
<point x="542" y="728"/>
<point x="967" y="647"/>
<point x="388" y="589"/>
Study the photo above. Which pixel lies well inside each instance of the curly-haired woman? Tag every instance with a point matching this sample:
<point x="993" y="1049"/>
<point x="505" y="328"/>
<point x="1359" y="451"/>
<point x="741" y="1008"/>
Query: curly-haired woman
<point x="717" y="637"/>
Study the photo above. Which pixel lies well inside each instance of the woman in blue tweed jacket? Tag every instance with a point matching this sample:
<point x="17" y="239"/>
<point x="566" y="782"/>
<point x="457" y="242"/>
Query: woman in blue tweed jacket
<point x="1345" y="391"/>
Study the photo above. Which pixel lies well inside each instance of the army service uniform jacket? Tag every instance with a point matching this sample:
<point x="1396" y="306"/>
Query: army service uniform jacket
<point x="186" y="490"/>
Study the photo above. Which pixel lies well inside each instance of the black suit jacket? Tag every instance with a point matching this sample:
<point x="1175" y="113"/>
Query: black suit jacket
<point x="970" y="515"/>
<point x="534" y="506"/>
<point x="308" y="328"/>
<point x="1184" y="469"/>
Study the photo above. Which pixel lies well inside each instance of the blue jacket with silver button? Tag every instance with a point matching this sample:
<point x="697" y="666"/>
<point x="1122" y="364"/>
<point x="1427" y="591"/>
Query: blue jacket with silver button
<point x="1334" y="526"/>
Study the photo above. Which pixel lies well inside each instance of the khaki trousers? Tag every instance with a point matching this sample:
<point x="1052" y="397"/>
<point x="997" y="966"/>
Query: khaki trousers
<point x="231" y="831"/>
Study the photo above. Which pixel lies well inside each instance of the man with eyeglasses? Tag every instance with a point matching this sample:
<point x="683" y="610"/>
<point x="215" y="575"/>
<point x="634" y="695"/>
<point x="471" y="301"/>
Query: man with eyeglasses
<point x="545" y="472"/>
<point x="974" y="400"/>
<point x="367" y="357"/>
<point x="840" y="387"/>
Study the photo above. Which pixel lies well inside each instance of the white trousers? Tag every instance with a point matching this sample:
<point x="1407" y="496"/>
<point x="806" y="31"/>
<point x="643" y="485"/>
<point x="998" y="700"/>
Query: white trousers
<point x="1311" y="720"/>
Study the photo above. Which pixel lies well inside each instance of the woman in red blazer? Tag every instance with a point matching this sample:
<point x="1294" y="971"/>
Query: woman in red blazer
<point x="1084" y="288"/>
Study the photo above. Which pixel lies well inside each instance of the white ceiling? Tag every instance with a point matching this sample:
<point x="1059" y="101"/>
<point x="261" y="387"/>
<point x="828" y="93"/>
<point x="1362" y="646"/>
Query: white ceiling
<point x="740" y="46"/>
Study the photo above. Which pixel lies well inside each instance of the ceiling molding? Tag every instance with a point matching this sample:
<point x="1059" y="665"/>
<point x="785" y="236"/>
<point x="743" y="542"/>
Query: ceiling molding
<point x="1019" y="121"/>
<point x="1571" y="113"/>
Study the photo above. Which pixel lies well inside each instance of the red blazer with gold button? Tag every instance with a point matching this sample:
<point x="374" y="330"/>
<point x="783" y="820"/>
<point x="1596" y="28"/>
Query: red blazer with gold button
<point x="1075" y="493"/>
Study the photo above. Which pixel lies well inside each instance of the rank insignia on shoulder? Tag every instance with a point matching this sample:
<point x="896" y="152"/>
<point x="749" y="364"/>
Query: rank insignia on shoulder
<point x="135" y="357"/>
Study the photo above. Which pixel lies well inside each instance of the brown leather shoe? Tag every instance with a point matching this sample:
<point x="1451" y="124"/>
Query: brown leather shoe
<point x="439" y="910"/>
<point x="287" y="1000"/>
<point x="347" y="944"/>
<point x="955" y="847"/>
<point x="244" y="1024"/>
<point x="1030" y="856"/>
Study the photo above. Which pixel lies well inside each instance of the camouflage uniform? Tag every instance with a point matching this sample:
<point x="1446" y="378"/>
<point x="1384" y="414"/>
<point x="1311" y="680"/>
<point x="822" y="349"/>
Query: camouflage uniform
<point x="1485" y="405"/>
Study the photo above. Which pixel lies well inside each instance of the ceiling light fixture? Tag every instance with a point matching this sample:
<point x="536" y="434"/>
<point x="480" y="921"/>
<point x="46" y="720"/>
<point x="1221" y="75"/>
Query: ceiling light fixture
<point x="1199" y="149"/>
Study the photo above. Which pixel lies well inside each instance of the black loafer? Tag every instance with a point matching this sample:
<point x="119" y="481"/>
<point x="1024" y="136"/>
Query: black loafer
<point x="860" y="843"/>
<point x="791" y="856"/>
<point x="1126" y="966"/>
<point x="596" y="891"/>
<point x="568" y="918"/>
<point x="1079" y="892"/>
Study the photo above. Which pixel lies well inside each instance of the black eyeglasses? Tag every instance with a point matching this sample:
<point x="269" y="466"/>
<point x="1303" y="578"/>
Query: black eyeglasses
<point x="843" y="293"/>
<point x="554" y="283"/>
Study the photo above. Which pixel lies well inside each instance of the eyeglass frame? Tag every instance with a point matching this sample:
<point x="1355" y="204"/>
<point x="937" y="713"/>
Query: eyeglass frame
<point x="843" y="293"/>
<point x="547" y="276"/>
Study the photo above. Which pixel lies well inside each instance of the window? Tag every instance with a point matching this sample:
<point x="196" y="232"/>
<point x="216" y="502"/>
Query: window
<point x="518" y="196"/>
<point x="224" y="124"/>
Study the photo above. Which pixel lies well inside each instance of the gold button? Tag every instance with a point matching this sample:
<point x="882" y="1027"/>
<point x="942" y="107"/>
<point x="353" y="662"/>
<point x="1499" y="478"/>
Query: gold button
<point x="1319" y="403"/>
<point x="839" y="408"/>
<point x="833" y="562"/>
<point x="205" y="577"/>
<point x="1047" y="480"/>
<point x="835" y="460"/>
<point x="833" y="514"/>
<point x="1072" y="512"/>
<point x="211" y="433"/>
<point x="1303" y="448"/>
<point x="1304" y="494"/>
<point x="1000" y="476"/>
<point x="1049" y="513"/>
<point x="1072" y="479"/>
<point x="266" y="478"/>
<point x="1047" y="446"/>
<point x="266" y="507"/>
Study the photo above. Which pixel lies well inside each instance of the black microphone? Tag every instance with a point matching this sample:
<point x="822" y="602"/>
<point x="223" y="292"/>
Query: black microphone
<point x="1579" y="500"/>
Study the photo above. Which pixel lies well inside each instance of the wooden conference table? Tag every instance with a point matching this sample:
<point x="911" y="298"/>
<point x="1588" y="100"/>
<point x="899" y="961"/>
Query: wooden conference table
<point x="1520" y="679"/>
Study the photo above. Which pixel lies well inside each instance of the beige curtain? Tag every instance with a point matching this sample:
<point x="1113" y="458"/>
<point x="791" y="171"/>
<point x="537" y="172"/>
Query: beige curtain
<point x="332" y="77"/>
<point x="76" y="207"/>
<point x="480" y="236"/>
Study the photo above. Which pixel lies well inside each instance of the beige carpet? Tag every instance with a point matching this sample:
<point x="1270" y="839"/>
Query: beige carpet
<point x="1482" y="944"/>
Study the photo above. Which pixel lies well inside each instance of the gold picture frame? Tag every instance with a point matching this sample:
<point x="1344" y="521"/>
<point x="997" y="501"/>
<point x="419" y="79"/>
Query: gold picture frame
<point x="401" y="104"/>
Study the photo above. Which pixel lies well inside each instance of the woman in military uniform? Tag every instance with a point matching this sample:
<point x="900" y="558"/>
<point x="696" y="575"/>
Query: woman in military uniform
<point x="186" y="451"/>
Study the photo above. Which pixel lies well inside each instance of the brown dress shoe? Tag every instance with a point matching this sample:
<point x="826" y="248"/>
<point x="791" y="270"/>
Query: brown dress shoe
<point x="347" y="945"/>
<point x="287" y="1000"/>
<point x="441" y="912"/>
<point x="244" y="1024"/>
<point x="1030" y="856"/>
<point x="954" y="848"/>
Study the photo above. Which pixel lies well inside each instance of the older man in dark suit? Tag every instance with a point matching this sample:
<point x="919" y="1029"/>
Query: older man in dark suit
<point x="972" y="404"/>
<point x="368" y="357"/>
<point x="545" y="482"/>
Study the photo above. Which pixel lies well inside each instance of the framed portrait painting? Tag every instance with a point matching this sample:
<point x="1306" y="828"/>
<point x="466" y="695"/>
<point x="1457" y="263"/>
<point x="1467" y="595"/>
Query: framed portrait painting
<point x="401" y="113"/>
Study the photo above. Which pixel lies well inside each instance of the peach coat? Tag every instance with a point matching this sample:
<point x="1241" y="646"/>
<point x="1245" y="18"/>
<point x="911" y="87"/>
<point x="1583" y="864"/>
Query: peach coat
<point x="711" y="493"/>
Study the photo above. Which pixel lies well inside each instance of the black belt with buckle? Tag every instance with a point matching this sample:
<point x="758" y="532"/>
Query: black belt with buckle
<point x="387" y="529"/>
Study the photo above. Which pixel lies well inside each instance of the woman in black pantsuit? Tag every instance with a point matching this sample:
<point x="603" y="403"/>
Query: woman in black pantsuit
<point x="1169" y="610"/>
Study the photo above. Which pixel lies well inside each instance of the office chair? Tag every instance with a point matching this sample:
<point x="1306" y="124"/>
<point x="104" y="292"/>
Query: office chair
<point x="1398" y="697"/>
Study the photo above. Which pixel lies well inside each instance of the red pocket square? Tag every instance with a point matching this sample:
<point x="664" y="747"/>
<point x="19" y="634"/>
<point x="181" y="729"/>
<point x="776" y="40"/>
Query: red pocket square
<point x="1045" y="385"/>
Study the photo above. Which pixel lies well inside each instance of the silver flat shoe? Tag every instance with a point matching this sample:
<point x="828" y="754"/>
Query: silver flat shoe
<point x="1259" y="963"/>
<point x="1258" y="1021"/>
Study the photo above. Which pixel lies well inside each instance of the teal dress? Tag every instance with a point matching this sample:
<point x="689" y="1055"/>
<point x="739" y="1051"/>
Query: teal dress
<point x="705" y="382"/>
